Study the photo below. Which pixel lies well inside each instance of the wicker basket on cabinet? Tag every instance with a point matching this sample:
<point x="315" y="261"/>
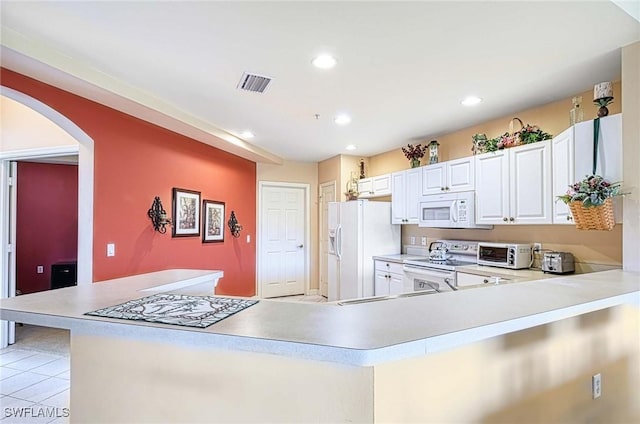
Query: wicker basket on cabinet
<point x="593" y="218"/>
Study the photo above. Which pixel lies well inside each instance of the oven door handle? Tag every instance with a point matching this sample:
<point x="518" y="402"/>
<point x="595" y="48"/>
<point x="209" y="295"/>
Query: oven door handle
<point x="427" y="272"/>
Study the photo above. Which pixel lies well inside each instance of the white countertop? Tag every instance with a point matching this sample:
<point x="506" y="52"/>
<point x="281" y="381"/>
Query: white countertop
<point x="398" y="258"/>
<point x="357" y="334"/>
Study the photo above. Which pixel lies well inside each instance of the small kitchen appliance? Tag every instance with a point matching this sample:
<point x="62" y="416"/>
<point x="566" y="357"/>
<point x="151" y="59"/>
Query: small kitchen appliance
<point x="558" y="263"/>
<point x="505" y="255"/>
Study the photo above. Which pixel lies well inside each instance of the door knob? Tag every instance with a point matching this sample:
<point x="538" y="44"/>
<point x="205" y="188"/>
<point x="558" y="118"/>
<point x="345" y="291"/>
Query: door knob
<point x="300" y="246"/>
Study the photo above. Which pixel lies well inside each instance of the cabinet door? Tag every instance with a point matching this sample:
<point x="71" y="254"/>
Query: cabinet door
<point x="530" y="175"/>
<point x="434" y="178"/>
<point x="396" y="283"/>
<point x="460" y="175"/>
<point x="381" y="284"/>
<point x="398" y="198"/>
<point x="365" y="188"/>
<point x="562" y="159"/>
<point x="413" y="188"/>
<point x="492" y="188"/>
<point x="382" y="185"/>
<point x="609" y="163"/>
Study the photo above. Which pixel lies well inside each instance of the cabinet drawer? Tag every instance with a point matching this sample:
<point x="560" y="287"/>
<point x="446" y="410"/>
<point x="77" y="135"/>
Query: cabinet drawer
<point x="387" y="266"/>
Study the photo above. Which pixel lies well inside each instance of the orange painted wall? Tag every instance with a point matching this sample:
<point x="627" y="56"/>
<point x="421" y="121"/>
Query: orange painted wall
<point x="135" y="161"/>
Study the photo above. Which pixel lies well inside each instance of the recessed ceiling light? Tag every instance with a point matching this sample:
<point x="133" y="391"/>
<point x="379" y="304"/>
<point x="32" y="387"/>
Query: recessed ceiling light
<point x="247" y="134"/>
<point x="350" y="147"/>
<point x="342" y="119"/>
<point x="324" y="61"/>
<point x="471" y="101"/>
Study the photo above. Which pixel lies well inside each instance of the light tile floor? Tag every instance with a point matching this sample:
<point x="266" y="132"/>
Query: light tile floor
<point x="34" y="386"/>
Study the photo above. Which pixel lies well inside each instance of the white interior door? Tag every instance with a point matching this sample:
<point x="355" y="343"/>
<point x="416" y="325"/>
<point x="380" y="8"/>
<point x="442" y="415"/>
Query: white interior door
<point x="327" y="194"/>
<point x="283" y="244"/>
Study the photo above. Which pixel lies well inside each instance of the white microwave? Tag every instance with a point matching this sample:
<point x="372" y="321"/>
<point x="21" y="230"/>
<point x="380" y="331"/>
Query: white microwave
<point x="450" y="210"/>
<point x="505" y="255"/>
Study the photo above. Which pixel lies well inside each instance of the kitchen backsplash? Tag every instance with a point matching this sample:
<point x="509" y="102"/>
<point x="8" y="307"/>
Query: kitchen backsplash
<point x="593" y="250"/>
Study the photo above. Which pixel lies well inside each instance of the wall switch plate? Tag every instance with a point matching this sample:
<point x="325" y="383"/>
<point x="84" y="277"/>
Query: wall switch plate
<point x="412" y="240"/>
<point x="111" y="250"/>
<point x="423" y="241"/>
<point x="248" y="238"/>
<point x="40" y="269"/>
<point x="596" y="385"/>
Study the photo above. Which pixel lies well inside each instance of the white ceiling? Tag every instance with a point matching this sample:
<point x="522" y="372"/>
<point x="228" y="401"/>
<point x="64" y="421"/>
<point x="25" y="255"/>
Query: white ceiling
<point x="403" y="67"/>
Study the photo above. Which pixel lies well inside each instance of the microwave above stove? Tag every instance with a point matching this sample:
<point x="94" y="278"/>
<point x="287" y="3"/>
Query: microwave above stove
<point x="449" y="210"/>
<point x="505" y="255"/>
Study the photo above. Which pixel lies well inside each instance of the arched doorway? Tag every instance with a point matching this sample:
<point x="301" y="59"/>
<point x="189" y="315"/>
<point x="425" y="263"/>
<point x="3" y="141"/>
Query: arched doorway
<point x="84" y="150"/>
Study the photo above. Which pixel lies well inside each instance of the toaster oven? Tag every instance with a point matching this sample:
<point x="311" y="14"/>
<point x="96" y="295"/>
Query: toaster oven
<point x="505" y="255"/>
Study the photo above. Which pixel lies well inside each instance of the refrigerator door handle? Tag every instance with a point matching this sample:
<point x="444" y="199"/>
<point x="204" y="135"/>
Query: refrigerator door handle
<point x="339" y="242"/>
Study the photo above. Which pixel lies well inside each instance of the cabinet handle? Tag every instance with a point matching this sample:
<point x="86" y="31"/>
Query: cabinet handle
<point x="505" y="219"/>
<point x="446" y="188"/>
<point x="387" y="265"/>
<point x="568" y="218"/>
<point x="441" y="188"/>
<point x="485" y="281"/>
<point x="511" y="219"/>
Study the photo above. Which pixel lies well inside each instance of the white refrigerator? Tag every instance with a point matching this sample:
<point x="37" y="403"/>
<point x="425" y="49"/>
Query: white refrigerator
<point x="358" y="230"/>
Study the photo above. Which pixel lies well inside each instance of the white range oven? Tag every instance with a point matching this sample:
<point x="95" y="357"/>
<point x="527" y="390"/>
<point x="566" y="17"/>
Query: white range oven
<point x="437" y="273"/>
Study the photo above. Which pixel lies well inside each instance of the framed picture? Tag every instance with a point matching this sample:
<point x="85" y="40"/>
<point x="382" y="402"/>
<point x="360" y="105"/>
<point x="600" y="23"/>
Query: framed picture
<point x="186" y="213"/>
<point x="213" y="222"/>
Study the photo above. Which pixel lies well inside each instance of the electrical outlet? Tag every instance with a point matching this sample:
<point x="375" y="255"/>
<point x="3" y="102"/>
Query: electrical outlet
<point x="537" y="247"/>
<point x="596" y="385"/>
<point x="412" y="240"/>
<point x="40" y="269"/>
<point x="423" y="241"/>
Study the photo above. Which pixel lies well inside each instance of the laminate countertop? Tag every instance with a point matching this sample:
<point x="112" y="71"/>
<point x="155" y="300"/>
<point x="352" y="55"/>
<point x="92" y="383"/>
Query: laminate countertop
<point x="357" y="334"/>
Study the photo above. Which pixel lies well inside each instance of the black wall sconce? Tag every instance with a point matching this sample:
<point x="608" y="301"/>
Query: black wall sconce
<point x="234" y="227"/>
<point x="158" y="216"/>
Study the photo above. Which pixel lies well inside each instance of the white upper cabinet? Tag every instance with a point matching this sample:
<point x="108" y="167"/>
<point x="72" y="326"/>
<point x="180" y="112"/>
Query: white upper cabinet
<point x="573" y="160"/>
<point x="449" y="177"/>
<point x="406" y="189"/>
<point x="563" y="151"/>
<point x="374" y="186"/>
<point x="513" y="186"/>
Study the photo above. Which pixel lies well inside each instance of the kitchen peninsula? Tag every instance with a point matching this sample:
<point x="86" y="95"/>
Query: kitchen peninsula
<point x="404" y="359"/>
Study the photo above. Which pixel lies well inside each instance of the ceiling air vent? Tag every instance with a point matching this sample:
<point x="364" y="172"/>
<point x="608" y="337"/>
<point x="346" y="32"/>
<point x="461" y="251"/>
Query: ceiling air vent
<point x="253" y="82"/>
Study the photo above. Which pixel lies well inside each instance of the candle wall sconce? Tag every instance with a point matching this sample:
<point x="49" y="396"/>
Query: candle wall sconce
<point x="603" y="96"/>
<point x="158" y="216"/>
<point x="234" y="226"/>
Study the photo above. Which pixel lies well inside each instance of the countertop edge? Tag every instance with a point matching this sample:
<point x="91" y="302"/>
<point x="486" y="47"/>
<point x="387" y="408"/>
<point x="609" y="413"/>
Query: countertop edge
<point x="343" y="355"/>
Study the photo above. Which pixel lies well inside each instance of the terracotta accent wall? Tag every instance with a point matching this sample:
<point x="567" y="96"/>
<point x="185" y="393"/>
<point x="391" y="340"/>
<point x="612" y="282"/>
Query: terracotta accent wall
<point x="47" y="222"/>
<point x="135" y="161"/>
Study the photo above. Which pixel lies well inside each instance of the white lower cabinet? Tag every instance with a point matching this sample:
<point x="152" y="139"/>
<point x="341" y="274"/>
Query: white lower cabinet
<point x="513" y="186"/>
<point x="389" y="278"/>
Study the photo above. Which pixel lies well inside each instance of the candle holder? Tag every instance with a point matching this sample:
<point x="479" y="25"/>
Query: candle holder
<point x="603" y="96"/>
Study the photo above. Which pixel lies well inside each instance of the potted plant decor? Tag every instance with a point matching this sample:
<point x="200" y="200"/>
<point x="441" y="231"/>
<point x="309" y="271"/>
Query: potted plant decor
<point x="414" y="154"/>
